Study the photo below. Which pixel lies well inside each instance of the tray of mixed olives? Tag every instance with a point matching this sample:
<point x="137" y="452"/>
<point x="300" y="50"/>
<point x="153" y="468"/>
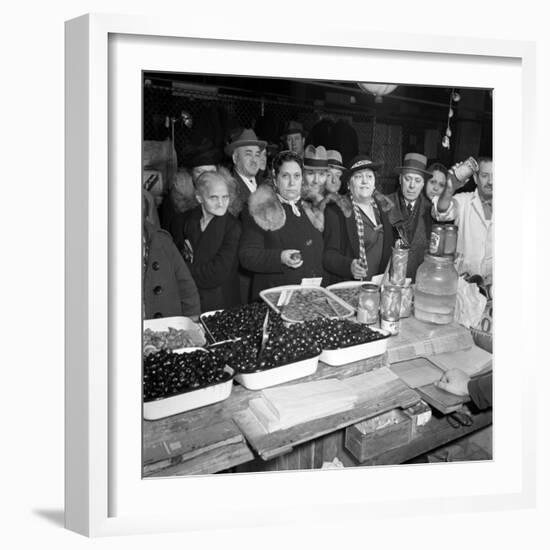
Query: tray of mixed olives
<point x="296" y="303"/>
<point x="171" y="333"/>
<point x="177" y="381"/>
<point x="348" y="291"/>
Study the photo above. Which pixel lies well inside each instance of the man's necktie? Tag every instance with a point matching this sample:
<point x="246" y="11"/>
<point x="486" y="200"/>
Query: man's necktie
<point x="409" y="208"/>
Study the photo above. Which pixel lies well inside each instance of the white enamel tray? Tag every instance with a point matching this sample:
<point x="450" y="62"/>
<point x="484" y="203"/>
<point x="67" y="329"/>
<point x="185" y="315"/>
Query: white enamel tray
<point x="278" y="375"/>
<point x="187" y="401"/>
<point x="342" y="356"/>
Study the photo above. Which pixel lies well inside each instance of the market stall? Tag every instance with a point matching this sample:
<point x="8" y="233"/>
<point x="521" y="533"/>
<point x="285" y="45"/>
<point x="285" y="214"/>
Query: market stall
<point x="386" y="421"/>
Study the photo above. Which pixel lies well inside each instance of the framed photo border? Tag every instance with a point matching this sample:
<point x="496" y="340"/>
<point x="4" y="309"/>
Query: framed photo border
<point x="88" y="438"/>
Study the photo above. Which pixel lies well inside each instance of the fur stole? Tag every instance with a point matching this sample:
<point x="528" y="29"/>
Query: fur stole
<point x="265" y="208"/>
<point x="316" y="212"/>
<point x="269" y="214"/>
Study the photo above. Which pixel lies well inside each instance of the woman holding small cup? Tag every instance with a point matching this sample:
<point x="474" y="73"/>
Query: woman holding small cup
<point x="358" y="235"/>
<point x="282" y="241"/>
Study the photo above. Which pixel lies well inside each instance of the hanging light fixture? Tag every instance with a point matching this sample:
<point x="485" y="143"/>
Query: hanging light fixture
<point x="377" y="90"/>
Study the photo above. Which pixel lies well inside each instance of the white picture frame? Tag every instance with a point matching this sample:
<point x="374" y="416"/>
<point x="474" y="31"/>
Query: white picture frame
<point x="104" y="491"/>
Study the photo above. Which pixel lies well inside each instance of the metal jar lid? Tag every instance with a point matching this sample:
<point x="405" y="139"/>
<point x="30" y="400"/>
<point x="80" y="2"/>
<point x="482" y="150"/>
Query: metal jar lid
<point x="370" y="287"/>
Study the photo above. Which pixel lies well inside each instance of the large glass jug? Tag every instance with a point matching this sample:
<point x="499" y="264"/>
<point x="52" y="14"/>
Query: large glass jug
<point x="435" y="290"/>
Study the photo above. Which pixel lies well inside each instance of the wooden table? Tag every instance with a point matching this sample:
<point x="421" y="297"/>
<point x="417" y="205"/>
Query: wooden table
<point x="210" y="439"/>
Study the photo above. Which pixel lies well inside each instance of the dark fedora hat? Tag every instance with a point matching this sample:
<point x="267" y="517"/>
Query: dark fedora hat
<point x="416" y="163"/>
<point x="246" y="137"/>
<point x="362" y="162"/>
<point x="208" y="157"/>
<point x="293" y="127"/>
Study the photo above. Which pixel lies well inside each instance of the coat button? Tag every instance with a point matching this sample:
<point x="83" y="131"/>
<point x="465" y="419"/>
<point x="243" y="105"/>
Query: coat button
<point x="156" y="265"/>
<point x="157" y="315"/>
<point x="157" y="290"/>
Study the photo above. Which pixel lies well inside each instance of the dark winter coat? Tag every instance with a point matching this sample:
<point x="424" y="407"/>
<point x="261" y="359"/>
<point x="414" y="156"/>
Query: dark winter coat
<point x="270" y="227"/>
<point x="215" y="262"/>
<point x="417" y="227"/>
<point x="168" y="288"/>
<point x="342" y="241"/>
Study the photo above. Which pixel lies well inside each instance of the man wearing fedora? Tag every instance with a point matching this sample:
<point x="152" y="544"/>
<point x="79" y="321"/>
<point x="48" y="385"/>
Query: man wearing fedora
<point x="245" y="150"/>
<point x="411" y="214"/>
<point x="315" y="174"/>
<point x="294" y="137"/>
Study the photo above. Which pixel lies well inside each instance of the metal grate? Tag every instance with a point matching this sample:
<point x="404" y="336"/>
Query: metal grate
<point x="215" y="115"/>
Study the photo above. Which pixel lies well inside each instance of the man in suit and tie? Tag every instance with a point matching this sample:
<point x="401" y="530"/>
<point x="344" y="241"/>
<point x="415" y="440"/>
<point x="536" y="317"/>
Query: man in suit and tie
<point x="411" y="214"/>
<point x="245" y="150"/>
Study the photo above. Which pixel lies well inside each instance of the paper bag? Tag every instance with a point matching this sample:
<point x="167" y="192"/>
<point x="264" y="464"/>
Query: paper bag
<point x="470" y="304"/>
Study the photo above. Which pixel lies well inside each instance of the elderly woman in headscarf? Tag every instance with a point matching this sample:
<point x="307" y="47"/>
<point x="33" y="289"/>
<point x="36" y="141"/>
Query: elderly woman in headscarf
<point x="357" y="234"/>
<point x="281" y="242"/>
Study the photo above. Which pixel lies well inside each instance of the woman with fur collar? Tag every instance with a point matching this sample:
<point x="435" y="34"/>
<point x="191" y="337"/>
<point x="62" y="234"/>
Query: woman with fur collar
<point x="358" y="234"/>
<point x="282" y="241"/>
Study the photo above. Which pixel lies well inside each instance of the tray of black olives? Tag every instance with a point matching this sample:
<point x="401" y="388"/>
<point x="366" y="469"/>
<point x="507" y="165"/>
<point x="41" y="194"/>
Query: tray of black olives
<point x="181" y="380"/>
<point x="290" y="352"/>
<point x="345" y="341"/>
<point x="297" y="303"/>
<point x="233" y="323"/>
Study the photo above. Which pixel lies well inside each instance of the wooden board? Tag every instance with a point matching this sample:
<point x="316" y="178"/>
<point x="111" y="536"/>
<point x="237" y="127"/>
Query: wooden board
<point x="392" y="394"/>
<point x="417" y="372"/>
<point x="472" y="361"/>
<point x="417" y="339"/>
<point x="442" y="400"/>
<point x="176" y="448"/>
<point x="210" y="462"/>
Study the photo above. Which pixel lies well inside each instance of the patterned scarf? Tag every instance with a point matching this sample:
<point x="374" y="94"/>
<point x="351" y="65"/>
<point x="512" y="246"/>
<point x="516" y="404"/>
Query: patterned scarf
<point x="360" y="232"/>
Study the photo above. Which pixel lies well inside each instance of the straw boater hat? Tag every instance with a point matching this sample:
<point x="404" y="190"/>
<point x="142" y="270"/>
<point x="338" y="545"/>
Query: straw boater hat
<point x="315" y="158"/>
<point x="246" y="137"/>
<point x="362" y="162"/>
<point x="293" y="127"/>
<point x="335" y="159"/>
<point x="416" y="163"/>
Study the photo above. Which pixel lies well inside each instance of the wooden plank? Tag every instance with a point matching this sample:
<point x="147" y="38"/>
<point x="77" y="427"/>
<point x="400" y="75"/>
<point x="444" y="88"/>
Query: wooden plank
<point x="394" y="393"/>
<point x="417" y="372"/>
<point x="212" y="461"/>
<point x="190" y="441"/>
<point x="417" y="339"/>
<point x="473" y="361"/>
<point x="442" y="400"/>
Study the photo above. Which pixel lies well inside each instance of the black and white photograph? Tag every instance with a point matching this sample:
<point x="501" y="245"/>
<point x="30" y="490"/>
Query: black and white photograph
<point x="317" y="274"/>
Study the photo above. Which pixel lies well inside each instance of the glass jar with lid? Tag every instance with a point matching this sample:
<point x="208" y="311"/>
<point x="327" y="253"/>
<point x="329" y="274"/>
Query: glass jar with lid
<point x="435" y="290"/>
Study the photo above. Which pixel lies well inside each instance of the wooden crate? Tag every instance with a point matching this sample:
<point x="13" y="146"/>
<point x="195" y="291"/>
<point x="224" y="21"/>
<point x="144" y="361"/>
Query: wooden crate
<point x="379" y="434"/>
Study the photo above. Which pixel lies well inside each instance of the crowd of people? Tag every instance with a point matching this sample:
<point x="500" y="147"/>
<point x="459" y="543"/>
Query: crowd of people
<point x="240" y="221"/>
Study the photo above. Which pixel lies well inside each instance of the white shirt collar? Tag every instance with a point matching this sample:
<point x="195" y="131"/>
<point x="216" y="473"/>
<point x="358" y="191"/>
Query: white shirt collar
<point x="249" y="182"/>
